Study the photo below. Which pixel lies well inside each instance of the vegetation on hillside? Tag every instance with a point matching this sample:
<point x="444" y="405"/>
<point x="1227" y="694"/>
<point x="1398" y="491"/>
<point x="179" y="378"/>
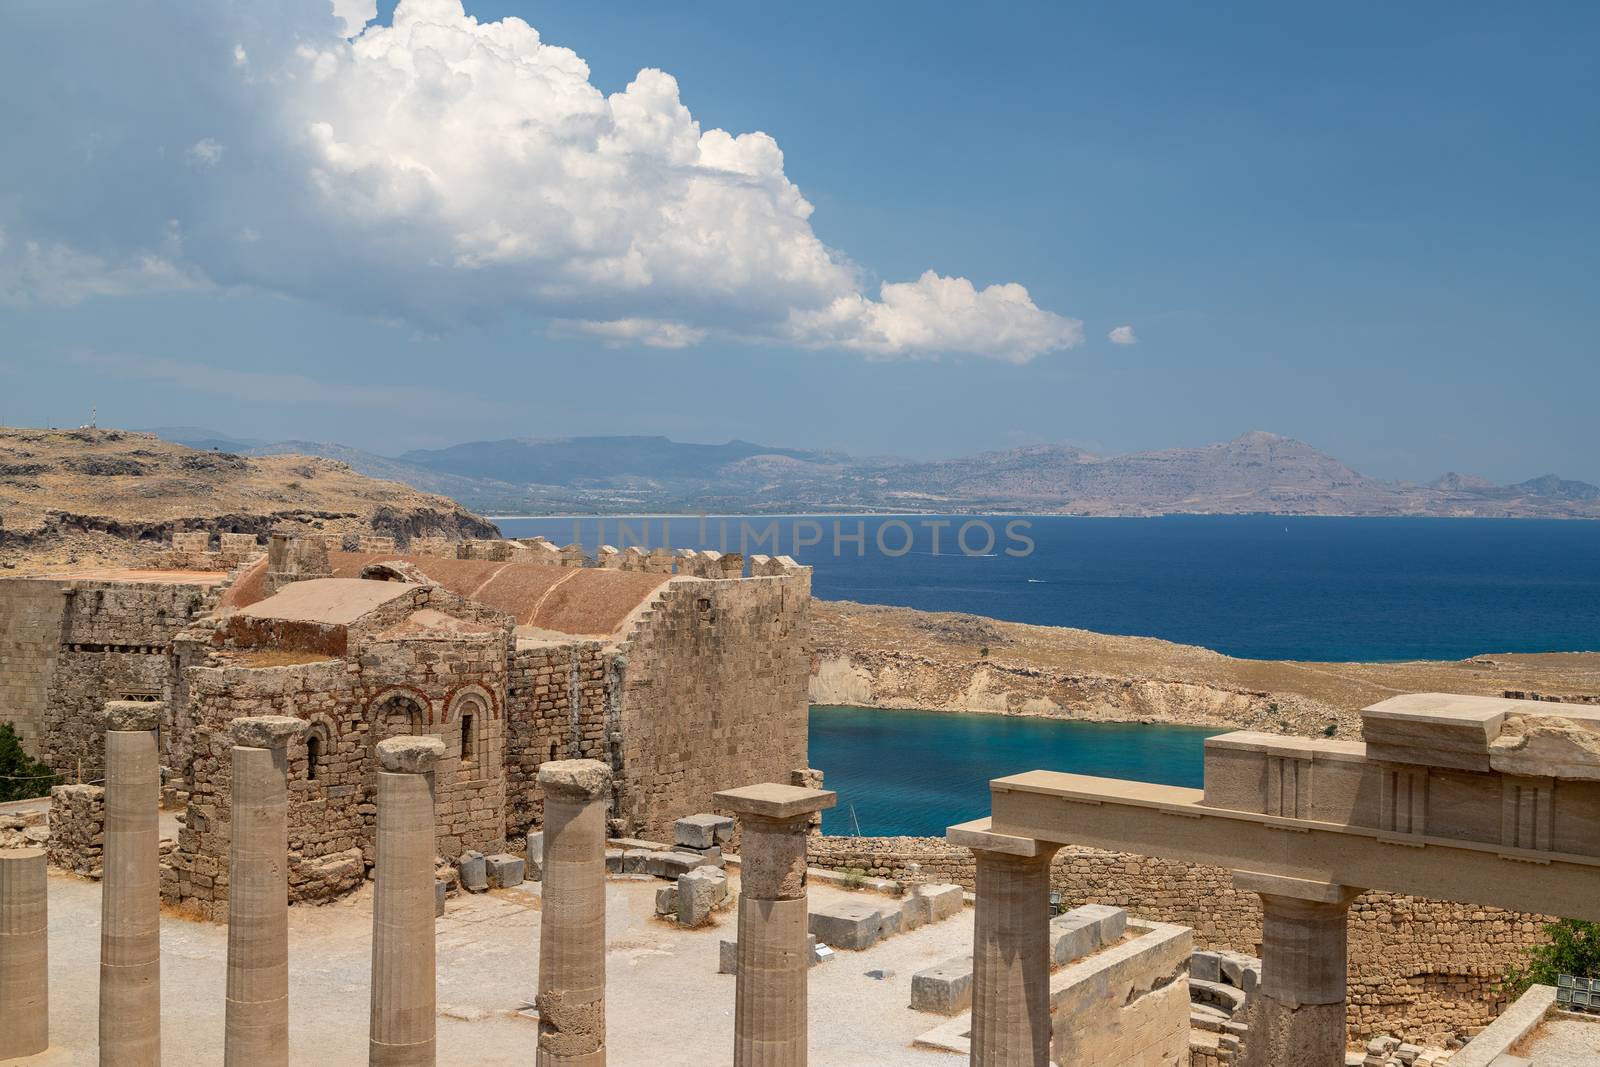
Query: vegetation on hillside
<point x="21" y="777"/>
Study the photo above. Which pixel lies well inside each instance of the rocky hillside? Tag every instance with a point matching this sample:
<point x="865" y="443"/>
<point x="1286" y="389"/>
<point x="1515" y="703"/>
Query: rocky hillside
<point x="112" y="495"/>
<point x="1254" y="473"/>
<point x="873" y="656"/>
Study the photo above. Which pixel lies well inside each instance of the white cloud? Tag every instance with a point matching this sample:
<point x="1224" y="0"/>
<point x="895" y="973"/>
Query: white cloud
<point x="49" y="272"/>
<point x="1122" y="335"/>
<point x="445" y="171"/>
<point x="206" y="152"/>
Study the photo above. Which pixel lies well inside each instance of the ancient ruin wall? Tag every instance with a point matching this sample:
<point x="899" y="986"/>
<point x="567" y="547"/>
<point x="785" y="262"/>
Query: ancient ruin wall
<point x="557" y="699"/>
<point x="1421" y="968"/>
<point x="713" y="678"/>
<point x="113" y="644"/>
<point x="30" y="635"/>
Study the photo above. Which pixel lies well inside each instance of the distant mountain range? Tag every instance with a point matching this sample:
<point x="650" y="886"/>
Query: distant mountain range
<point x="1254" y="473"/>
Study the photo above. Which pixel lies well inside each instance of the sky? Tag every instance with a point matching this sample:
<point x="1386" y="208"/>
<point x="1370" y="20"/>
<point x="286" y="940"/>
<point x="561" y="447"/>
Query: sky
<point x="914" y="229"/>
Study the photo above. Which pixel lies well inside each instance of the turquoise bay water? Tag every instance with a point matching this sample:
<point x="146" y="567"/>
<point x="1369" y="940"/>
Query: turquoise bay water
<point x="918" y="772"/>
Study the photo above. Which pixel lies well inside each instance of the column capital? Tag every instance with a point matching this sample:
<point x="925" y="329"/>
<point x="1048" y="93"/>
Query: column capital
<point x="773" y="801"/>
<point x="1302" y="889"/>
<point x="575" y="779"/>
<point x="410" y="754"/>
<point x="977" y="836"/>
<point x="267" y="731"/>
<point x="132" y="716"/>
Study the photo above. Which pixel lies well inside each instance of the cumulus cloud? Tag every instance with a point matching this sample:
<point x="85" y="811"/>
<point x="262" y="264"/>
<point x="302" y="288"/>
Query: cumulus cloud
<point x="1122" y="335"/>
<point x="443" y="171"/>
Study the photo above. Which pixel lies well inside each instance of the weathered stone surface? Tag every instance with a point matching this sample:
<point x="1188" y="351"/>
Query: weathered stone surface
<point x="674" y="864"/>
<point x="614" y="858"/>
<point x="474" y="868"/>
<point x="945" y="989"/>
<point x="410" y="754"/>
<point x="667" y="900"/>
<point x="440" y="891"/>
<point x="1084" y="930"/>
<point x="326" y="877"/>
<point x="773" y="800"/>
<point x="852" y="924"/>
<point x="576" y="779"/>
<point x="702" y="831"/>
<point x="930" y="903"/>
<point x="700" y="891"/>
<point x="126" y="715"/>
<point x="504" y="870"/>
<point x="266" y="731"/>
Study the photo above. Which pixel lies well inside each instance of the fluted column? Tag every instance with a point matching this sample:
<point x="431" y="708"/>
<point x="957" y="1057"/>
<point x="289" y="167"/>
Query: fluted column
<point x="1297" y="1014"/>
<point x="404" y="992"/>
<point x="572" y="926"/>
<point x="24" y="954"/>
<point x="1011" y="956"/>
<point x="130" y="892"/>
<point x="257" y="1028"/>
<point x="769" y="1013"/>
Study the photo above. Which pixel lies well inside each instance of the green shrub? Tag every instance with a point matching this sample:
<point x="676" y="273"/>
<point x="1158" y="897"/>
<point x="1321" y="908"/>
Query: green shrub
<point x="21" y="777"/>
<point x="854" y="877"/>
<point x="1574" y="948"/>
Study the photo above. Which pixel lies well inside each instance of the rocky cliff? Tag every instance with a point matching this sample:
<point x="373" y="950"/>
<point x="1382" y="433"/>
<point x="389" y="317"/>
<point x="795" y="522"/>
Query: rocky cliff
<point x="875" y="656"/>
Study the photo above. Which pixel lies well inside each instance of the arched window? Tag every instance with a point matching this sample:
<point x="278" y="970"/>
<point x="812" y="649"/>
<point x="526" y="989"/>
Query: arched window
<point x="313" y="756"/>
<point x="399" y="714"/>
<point x="469" y="743"/>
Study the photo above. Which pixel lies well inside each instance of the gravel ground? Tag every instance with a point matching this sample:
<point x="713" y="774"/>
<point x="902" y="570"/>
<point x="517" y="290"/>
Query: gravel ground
<point x="666" y="1004"/>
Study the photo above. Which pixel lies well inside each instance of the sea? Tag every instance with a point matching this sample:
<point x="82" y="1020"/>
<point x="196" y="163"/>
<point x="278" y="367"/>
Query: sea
<point x="1256" y="586"/>
<point x="1263" y="587"/>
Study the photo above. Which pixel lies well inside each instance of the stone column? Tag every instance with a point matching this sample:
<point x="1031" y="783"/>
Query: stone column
<point x="403" y="983"/>
<point x="572" y="926"/>
<point x="130" y="893"/>
<point x="1297" y="1015"/>
<point x="24" y="954"/>
<point x="257" y="1029"/>
<point x="769" y="1013"/>
<point x="1010" y="949"/>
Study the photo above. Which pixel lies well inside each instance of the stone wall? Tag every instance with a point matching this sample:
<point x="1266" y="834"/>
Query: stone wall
<point x="713" y="694"/>
<point x="557" y="700"/>
<point x="30" y="635"/>
<point x="77" y="829"/>
<point x="1422" y="968"/>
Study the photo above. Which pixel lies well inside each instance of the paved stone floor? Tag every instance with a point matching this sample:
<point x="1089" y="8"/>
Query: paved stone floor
<point x="666" y="1005"/>
<point x="1564" y="1040"/>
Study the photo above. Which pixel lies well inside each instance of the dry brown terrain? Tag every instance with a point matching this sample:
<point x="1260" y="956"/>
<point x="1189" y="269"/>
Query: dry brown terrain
<point x="111" y="496"/>
<point x="870" y="655"/>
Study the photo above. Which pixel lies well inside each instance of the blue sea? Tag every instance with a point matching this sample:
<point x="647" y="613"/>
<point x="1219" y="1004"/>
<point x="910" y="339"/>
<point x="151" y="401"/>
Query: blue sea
<point x="1262" y="587"/>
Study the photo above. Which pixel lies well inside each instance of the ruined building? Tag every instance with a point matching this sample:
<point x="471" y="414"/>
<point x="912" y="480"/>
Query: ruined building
<point x="677" y="672"/>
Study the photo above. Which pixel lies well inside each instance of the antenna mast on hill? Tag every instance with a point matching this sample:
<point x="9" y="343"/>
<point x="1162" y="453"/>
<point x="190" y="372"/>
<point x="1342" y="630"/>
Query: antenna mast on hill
<point x="94" y="418"/>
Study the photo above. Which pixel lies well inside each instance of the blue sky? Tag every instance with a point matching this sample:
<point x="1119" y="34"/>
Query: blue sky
<point x="1372" y="227"/>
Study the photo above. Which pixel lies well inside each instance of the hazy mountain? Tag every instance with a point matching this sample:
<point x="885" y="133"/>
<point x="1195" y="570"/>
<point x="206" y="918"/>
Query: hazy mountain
<point x="1256" y="472"/>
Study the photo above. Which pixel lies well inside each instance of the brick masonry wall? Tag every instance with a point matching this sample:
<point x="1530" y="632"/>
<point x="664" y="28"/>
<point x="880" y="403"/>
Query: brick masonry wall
<point x="1421" y="968"/>
<point x="714" y="682"/>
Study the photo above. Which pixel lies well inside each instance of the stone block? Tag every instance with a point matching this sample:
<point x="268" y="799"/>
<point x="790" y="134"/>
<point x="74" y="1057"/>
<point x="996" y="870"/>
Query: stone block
<point x="474" y="872"/>
<point x="440" y="890"/>
<point x="852" y="924"/>
<point x="699" y="892"/>
<point x="701" y="831"/>
<point x="505" y="870"/>
<point x="945" y="989"/>
<point x="1239" y="970"/>
<point x="667" y="900"/>
<point x="1084" y="930"/>
<point x="673" y="864"/>
<point x="728" y="957"/>
<point x="930" y="903"/>
<point x="614" y="857"/>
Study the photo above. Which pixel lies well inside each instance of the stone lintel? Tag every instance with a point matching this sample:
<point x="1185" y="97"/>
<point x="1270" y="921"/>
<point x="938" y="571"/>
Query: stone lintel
<point x="1278" y="885"/>
<point x="771" y="800"/>
<point x="977" y="836"/>
<point x="410" y="754"/>
<point x="575" y="779"/>
<point x="132" y="715"/>
<point x="267" y="731"/>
